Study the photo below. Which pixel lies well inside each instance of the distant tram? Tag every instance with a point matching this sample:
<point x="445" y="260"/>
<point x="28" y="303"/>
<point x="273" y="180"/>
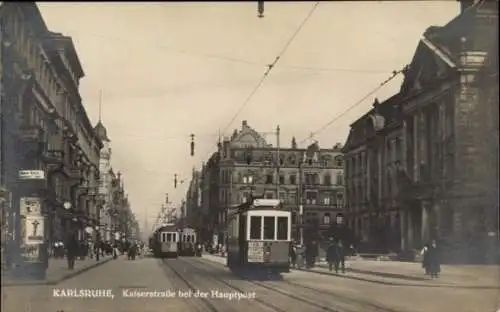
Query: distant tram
<point x="165" y="242"/>
<point x="259" y="237"/>
<point x="188" y="242"/>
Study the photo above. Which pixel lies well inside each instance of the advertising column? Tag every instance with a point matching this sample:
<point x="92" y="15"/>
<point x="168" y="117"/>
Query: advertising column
<point x="32" y="231"/>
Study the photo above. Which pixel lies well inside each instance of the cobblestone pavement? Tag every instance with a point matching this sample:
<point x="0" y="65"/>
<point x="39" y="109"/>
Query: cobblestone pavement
<point x="390" y="297"/>
<point x="57" y="271"/>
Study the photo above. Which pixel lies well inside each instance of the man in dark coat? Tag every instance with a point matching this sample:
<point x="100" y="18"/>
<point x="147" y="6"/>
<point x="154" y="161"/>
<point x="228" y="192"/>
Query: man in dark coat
<point x="71" y="250"/>
<point x="331" y="253"/>
<point x="433" y="260"/>
<point x="340" y="252"/>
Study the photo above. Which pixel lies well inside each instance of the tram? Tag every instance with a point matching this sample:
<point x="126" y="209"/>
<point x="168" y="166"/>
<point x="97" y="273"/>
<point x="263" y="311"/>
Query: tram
<point x="165" y="242"/>
<point x="259" y="237"/>
<point x="188" y="242"/>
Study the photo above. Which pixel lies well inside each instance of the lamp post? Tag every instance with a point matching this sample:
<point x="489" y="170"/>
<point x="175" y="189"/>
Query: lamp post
<point x="97" y="243"/>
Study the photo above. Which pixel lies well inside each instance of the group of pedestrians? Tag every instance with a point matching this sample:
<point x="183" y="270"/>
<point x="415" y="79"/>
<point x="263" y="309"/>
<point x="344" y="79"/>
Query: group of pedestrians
<point x="431" y="262"/>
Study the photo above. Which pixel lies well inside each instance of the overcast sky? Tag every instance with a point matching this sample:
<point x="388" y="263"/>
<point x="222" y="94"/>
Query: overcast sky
<point x="170" y="69"/>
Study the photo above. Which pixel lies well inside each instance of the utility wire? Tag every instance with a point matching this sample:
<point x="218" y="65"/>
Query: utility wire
<point x="271" y="66"/>
<point x="357" y="103"/>
<point x="244" y="61"/>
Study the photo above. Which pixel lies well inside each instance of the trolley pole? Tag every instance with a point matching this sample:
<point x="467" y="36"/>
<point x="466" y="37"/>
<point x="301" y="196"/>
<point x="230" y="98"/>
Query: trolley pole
<point x="278" y="162"/>
<point x="300" y="223"/>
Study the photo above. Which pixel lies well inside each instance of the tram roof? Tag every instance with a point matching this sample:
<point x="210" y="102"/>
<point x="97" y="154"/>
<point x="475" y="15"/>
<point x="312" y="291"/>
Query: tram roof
<point x="257" y="204"/>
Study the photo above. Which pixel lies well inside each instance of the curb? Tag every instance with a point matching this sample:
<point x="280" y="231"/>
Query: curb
<point x="58" y="280"/>
<point x="396" y="283"/>
<point x="375" y="281"/>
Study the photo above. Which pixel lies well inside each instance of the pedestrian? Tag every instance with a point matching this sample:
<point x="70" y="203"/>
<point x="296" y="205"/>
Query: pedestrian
<point x="425" y="258"/>
<point x="339" y="257"/>
<point x="71" y="250"/>
<point x="434" y="261"/>
<point x="331" y="252"/>
<point x="292" y="253"/>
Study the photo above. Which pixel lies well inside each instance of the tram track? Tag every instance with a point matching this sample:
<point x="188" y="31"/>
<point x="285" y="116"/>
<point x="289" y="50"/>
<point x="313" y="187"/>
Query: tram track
<point x="316" y="292"/>
<point x="300" y="299"/>
<point x="205" y="305"/>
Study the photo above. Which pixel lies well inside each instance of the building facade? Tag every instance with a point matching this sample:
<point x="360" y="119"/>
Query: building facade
<point x="105" y="178"/>
<point x="418" y="166"/>
<point x="191" y="208"/>
<point x="247" y="166"/>
<point x="49" y="139"/>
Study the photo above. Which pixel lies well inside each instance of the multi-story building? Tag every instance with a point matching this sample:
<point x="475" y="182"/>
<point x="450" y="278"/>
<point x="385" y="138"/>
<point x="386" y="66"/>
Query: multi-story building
<point x="419" y="161"/>
<point x="246" y="166"/>
<point x="49" y="132"/>
<point x="105" y="179"/>
<point x="192" y="209"/>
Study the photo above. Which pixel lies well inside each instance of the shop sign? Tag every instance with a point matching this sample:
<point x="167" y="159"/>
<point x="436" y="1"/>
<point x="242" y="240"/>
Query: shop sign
<point x="31" y="175"/>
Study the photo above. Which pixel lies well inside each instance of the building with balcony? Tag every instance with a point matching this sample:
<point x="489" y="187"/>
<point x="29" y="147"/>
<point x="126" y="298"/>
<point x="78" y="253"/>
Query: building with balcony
<point x="246" y="166"/>
<point x="418" y="166"/>
<point x="49" y="130"/>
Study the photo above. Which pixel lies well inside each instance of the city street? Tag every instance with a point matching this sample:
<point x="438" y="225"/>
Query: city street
<point x="298" y="291"/>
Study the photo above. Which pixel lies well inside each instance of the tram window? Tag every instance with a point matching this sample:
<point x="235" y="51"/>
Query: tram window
<point x="169" y="237"/>
<point x="269" y="227"/>
<point x="282" y="233"/>
<point x="188" y="238"/>
<point x="255" y="227"/>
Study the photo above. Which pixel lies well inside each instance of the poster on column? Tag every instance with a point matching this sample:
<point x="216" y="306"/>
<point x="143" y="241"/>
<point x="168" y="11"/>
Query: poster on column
<point x="35" y="229"/>
<point x="30" y="206"/>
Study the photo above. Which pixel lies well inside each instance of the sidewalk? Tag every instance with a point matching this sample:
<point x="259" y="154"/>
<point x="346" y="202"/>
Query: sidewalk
<point x="57" y="272"/>
<point x="408" y="273"/>
<point x="412" y="274"/>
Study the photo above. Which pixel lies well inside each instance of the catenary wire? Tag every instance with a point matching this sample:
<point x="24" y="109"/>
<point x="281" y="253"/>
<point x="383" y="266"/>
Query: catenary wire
<point x="356" y="104"/>
<point x="266" y="73"/>
<point x="272" y="65"/>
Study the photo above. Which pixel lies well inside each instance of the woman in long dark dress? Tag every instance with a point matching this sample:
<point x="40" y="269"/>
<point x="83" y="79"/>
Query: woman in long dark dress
<point x="433" y="260"/>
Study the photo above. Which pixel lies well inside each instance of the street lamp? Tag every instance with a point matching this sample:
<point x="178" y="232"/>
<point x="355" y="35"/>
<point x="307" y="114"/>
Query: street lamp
<point x="67" y="205"/>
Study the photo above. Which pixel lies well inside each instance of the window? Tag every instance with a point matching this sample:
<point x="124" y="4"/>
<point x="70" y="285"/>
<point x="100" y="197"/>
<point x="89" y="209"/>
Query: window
<point x="282" y="196"/>
<point x="340" y="179"/>
<point x="269" y="227"/>
<point x="282" y="179"/>
<point x="338" y="161"/>
<point x="269" y="195"/>
<point x="311" y="197"/>
<point x="255" y="227"/>
<point x="269" y="179"/>
<point x="326" y="200"/>
<point x="293" y="179"/>
<point x="327" y="179"/>
<point x="169" y="237"/>
<point x="326" y="218"/>
<point x="282" y="231"/>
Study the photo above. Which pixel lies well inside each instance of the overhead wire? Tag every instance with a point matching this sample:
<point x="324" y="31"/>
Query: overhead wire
<point x="356" y="104"/>
<point x="268" y="71"/>
<point x="272" y="65"/>
<point x="245" y="61"/>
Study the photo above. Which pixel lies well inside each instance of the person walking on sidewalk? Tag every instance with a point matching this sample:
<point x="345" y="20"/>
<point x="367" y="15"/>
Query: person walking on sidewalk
<point x="434" y="260"/>
<point x="292" y="253"/>
<point x="71" y="250"/>
<point x="425" y="259"/>
<point x="331" y="253"/>
<point x="339" y="257"/>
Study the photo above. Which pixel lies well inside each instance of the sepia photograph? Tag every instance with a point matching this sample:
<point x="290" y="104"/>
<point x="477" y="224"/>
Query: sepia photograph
<point x="281" y="156"/>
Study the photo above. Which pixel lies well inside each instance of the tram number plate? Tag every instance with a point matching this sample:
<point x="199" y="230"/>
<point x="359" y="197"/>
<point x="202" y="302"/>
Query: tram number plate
<point x="255" y="252"/>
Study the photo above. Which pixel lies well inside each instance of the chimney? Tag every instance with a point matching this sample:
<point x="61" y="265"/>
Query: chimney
<point x="244" y="123"/>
